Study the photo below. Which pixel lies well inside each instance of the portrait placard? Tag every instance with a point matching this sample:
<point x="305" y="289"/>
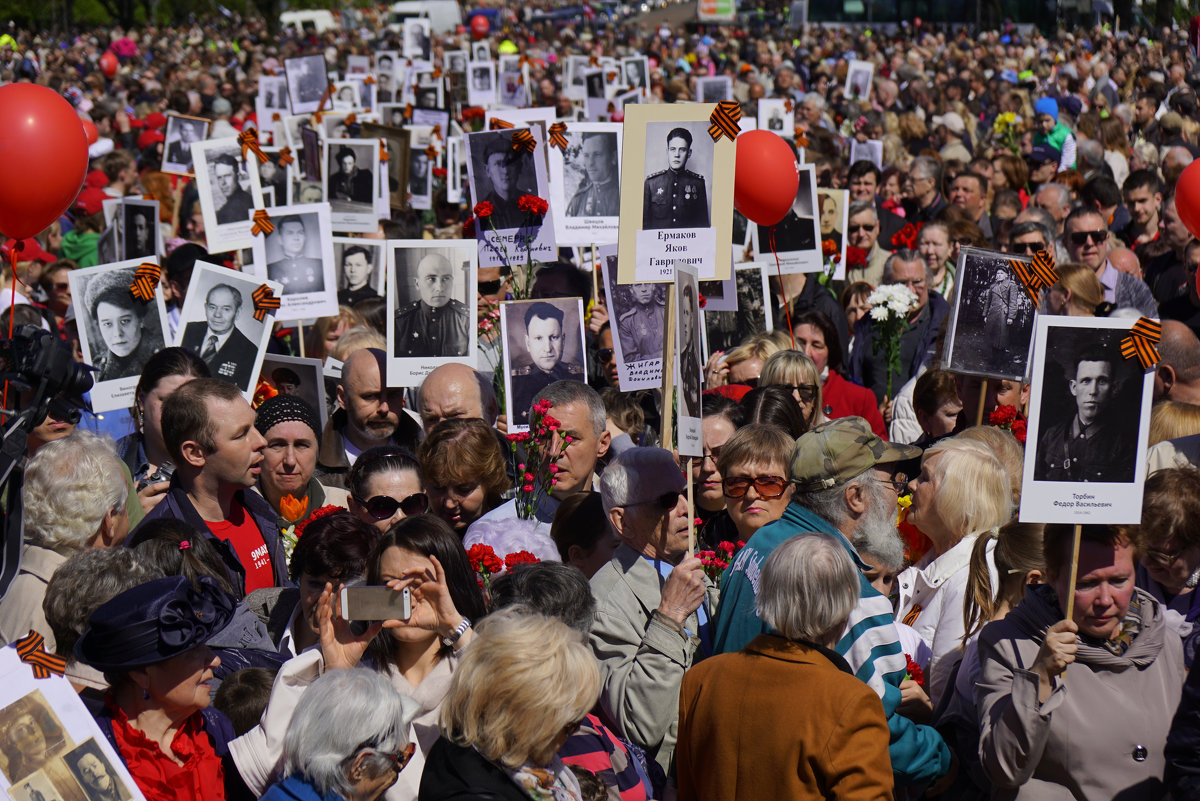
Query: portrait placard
<point x="585" y="181"/>
<point x="635" y="71"/>
<point x="141" y="235"/>
<point x="714" y="89"/>
<point x="1089" y="421"/>
<point x="720" y="295"/>
<point x="689" y="438"/>
<point x="676" y="193"/>
<point x="417" y="44"/>
<point x="307" y="83"/>
<point x="396" y="140"/>
<point x="870" y="150"/>
<point x="181" y="132"/>
<point x="777" y="115"/>
<point x="94" y="772"/>
<point x="991" y="317"/>
<point x="795" y="236"/>
<point x="858" y="79"/>
<point x="543" y="343"/>
<point x="275" y="176"/>
<point x="292" y="375"/>
<point x="118" y="332"/>
<point x="229" y="192"/>
<point x="359" y="269"/>
<point x="513" y="91"/>
<point x="217" y="323"/>
<point x="726" y="329"/>
<point x="481" y="83"/>
<point x="346" y="97"/>
<point x="432" y="296"/>
<point x="636" y="314"/>
<point x="351" y="166"/>
<point x="298" y="255"/>
<point x="833" y="207"/>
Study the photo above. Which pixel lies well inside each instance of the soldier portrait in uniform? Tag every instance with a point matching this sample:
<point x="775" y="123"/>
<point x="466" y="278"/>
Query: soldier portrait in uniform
<point x="229" y="191"/>
<point x="543" y="343"/>
<point x="307" y="82"/>
<point x="676" y="196"/>
<point x="351" y="166"/>
<point x="991" y="322"/>
<point x="293" y="254"/>
<point x="177" y="142"/>
<point x="597" y="192"/>
<point x="636" y="314"/>
<point x="139" y="229"/>
<point x="437" y="323"/>
<point x="358" y="269"/>
<point x="500" y="176"/>
<point x="688" y="346"/>
<point x="274" y="174"/>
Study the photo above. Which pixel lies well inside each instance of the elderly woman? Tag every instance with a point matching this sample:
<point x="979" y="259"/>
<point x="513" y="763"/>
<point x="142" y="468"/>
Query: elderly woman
<point x="292" y="430"/>
<point x="962" y="491"/>
<point x="1169" y="543"/>
<point x="74" y="497"/>
<point x="754" y="478"/>
<point x="348" y="740"/>
<point x="526" y="684"/>
<point x="465" y="470"/>
<point x="806" y="724"/>
<point x="1093" y="730"/>
<point x="385" y="486"/>
<point x="818" y="338"/>
<point x="121" y="320"/>
<point x="150" y="644"/>
<point x="794" y="371"/>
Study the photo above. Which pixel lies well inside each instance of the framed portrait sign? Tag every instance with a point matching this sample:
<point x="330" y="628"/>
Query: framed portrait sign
<point x="141" y="235"/>
<point x="181" y="132"/>
<point x="637" y="315"/>
<point x="454" y="169"/>
<point x="543" y="343"/>
<point x="870" y="150"/>
<point x="291" y="375"/>
<point x="432" y="293"/>
<point x="688" y="435"/>
<point x="118" y="332"/>
<point x="775" y="116"/>
<point x="991" y="317"/>
<point x="676" y="193"/>
<point x="349" y="184"/>
<point x="298" y="255"/>
<point x="481" y="83"/>
<point x="307" y="83"/>
<point x="346" y="97"/>
<point x="217" y="324"/>
<point x="795" y="236"/>
<point x="395" y="138"/>
<point x="1089" y="421"/>
<point x="229" y="192"/>
<point x="714" y="89"/>
<point x="726" y="329"/>
<point x="635" y="72"/>
<point x="359" y="269"/>
<point x="858" y="79"/>
<point x="271" y="106"/>
<point x="833" y="207"/>
<point x="585" y="183"/>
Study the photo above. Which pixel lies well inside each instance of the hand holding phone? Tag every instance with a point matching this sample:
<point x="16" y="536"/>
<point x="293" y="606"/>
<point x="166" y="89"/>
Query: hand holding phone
<point x="376" y="603"/>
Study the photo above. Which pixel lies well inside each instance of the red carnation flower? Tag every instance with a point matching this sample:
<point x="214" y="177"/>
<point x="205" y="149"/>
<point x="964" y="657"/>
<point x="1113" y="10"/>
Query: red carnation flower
<point x="855" y="257"/>
<point x="483" y="559"/>
<point x="520" y="558"/>
<point x="1003" y="415"/>
<point x="1018" y="430"/>
<point x="913" y="671"/>
<point x="828" y="247"/>
<point x="532" y="204"/>
<point x="483" y="209"/>
<point x="439" y="172"/>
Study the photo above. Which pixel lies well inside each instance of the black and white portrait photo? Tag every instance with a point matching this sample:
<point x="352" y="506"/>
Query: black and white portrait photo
<point x="870" y="150"/>
<point x="393" y="114"/>
<point x="117" y="331"/>
<point x="636" y="71"/>
<point x="795" y="237"/>
<point x="500" y="175"/>
<point x="298" y="254"/>
<point x="543" y="343"/>
<point x="1089" y="419"/>
<point x="687" y="345"/>
<point x="637" y="314"/>
<point x="139" y="229"/>
<point x="455" y="61"/>
<point x="385" y="88"/>
<point x="417" y="44"/>
<point x="358" y="269"/>
<point x="420" y="179"/>
<point x="292" y="375"/>
<point x="512" y="90"/>
<point x="271" y="106"/>
<point x="34" y="787"/>
<point x="585" y="180"/>
<point x="95" y="773"/>
<point x="593" y="82"/>
<point x="274" y="174"/>
<point x="481" y="51"/>
<point x="36" y="718"/>
<point x="481" y="84"/>
<point x="431" y="299"/>
<point x="714" y="89"/>
<point x="724" y="330"/>
<point x="308" y="83"/>
<point x="429" y="96"/>
<point x="107" y="246"/>
<point x="991" y="319"/>
<point x="454" y="169"/>
<point x="351" y="167"/>
<point x="775" y="116"/>
<point x="396" y="140"/>
<point x="217" y="323"/>
<point x="675" y="192"/>
<point x="177" y="142"/>
<point x="858" y="80"/>
<point x="345" y="96"/>
<point x="229" y="191"/>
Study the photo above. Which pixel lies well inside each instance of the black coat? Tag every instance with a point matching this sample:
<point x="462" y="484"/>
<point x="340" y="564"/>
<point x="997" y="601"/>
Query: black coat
<point x="455" y="773"/>
<point x="233" y="361"/>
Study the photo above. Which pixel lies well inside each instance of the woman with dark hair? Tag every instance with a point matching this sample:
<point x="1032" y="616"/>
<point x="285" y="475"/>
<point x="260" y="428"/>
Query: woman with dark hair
<point x="144" y="451"/>
<point x="721" y="417"/>
<point x="465" y="470"/>
<point x="754" y="466"/>
<point x="386" y="486"/>
<point x="417" y="655"/>
<point x="937" y="406"/>
<point x="774" y="405"/>
<point x="820" y="341"/>
<point x="120" y="320"/>
<point x="582" y="534"/>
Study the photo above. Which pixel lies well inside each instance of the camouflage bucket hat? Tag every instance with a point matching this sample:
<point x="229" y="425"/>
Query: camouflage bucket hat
<point x="839" y="450"/>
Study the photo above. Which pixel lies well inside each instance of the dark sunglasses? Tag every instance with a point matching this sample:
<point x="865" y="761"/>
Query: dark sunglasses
<point x="605" y="354"/>
<point x="854" y="229"/>
<point x="1025" y="247"/>
<point x="767" y="487"/>
<point x="1082" y="237"/>
<point x="63" y="287"/>
<point x="806" y="392"/>
<point x="381" y="507"/>
<point x="666" y="502"/>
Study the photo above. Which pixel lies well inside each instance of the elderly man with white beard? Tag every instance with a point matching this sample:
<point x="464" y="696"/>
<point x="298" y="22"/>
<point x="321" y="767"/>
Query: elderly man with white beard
<point x="846" y="486"/>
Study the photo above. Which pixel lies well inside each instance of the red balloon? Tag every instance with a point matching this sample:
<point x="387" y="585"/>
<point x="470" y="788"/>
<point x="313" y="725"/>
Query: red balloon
<point x="109" y="64"/>
<point x="480" y="26"/>
<point x="765" y="177"/>
<point x="89" y="130"/>
<point x="44" y="156"/>
<point x="1187" y="197"/>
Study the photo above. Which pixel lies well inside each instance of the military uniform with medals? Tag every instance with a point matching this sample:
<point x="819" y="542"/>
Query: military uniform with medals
<point x="422" y="330"/>
<point x="529" y="380"/>
<point x="641" y="330"/>
<point x="298" y="275"/>
<point x="675" y="199"/>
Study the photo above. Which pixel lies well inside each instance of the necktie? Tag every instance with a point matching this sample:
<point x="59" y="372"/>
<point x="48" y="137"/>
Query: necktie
<point x="210" y="348"/>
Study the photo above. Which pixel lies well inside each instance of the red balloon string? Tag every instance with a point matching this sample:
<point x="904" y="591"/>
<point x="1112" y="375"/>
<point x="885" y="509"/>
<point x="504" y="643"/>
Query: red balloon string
<point x="18" y="245"/>
<point x="787" y="311"/>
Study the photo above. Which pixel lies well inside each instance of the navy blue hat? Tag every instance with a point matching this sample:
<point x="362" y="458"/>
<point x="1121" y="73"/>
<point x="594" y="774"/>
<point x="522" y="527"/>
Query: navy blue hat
<point x="153" y="622"/>
<point x="1043" y="153"/>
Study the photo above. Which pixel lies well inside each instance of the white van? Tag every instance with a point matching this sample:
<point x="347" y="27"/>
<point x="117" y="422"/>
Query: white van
<point x="444" y="15"/>
<point x="319" y="19"/>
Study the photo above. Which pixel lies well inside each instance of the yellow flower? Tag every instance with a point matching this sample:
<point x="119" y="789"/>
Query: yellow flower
<point x="902" y="504"/>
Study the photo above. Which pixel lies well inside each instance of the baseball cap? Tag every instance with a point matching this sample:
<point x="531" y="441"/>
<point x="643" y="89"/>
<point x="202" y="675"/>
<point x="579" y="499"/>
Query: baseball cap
<point x="96" y="179"/>
<point x="1043" y="153"/>
<point x="90" y="201"/>
<point x="953" y="122"/>
<point x="149" y="137"/>
<point x="31" y="250"/>
<point x="839" y="450"/>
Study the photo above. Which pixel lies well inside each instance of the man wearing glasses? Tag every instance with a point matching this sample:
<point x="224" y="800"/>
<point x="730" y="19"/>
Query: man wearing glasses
<point x="925" y="198"/>
<point x="862" y="231"/>
<point x="1087" y="238"/>
<point x="846" y="481"/>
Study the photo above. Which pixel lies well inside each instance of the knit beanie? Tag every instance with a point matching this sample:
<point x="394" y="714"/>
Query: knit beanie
<point x="284" y="409"/>
<point x="1046" y="105"/>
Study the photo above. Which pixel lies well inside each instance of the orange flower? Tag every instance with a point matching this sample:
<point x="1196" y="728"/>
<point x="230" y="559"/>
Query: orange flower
<point x="262" y="393"/>
<point x="292" y="508"/>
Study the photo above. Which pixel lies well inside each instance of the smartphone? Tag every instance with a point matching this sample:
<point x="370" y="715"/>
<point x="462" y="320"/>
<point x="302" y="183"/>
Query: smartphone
<point x="376" y="603"/>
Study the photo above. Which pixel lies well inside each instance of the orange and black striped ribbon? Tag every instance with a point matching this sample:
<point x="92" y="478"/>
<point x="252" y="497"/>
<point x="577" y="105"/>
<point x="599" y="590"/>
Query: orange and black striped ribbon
<point x="611" y="76"/>
<point x="801" y="137"/>
<point x="327" y="97"/>
<point x="383" y="154"/>
<point x="1036" y="275"/>
<point x="436" y="132"/>
<point x="262" y="223"/>
<point x="724" y="120"/>
<point x="788" y="105"/>
<point x="593" y="62"/>
<point x="1143" y="337"/>
<point x="248" y="139"/>
<point x="408" y="108"/>
<point x="352" y="119"/>
<point x="275" y="117"/>
<point x="45" y="664"/>
<point x="144" y="280"/>
<point x="498" y="124"/>
<point x="432" y="152"/>
<point x="285" y="156"/>
<point x="557" y="137"/>
<point x="370" y="79"/>
<point x="264" y="301"/>
<point x="522" y="139"/>
<point x="437" y="73"/>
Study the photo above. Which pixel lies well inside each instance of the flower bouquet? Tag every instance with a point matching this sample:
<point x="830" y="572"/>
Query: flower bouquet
<point x="536" y="476"/>
<point x="890" y="306"/>
<point x="1006" y="129"/>
<point x="717" y="561"/>
<point x="1007" y="417"/>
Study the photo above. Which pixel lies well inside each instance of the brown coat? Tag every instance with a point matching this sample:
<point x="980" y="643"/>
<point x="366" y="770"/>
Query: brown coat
<point x="780" y="719"/>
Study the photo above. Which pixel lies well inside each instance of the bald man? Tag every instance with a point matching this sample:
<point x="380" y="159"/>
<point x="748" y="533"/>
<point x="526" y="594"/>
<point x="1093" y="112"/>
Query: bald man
<point x="1177" y="376"/>
<point x="438" y="324"/>
<point x="456" y="390"/>
<point x="1126" y="261"/>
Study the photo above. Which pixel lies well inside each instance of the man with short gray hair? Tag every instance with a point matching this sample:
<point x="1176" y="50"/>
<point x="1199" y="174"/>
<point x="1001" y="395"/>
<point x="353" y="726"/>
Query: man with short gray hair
<point x="925" y="178"/>
<point x="862" y="231"/>
<point x="846" y="486"/>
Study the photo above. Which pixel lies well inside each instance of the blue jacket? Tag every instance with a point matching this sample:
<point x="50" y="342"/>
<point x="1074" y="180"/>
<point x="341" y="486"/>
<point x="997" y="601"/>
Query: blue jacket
<point x="871" y="643"/>
<point x="294" y="788"/>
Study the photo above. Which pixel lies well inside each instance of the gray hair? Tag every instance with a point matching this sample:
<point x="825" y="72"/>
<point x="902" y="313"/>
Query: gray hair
<point x="925" y="166"/>
<point x="341" y="714"/>
<point x="816" y="98"/>
<point x="547" y="588"/>
<point x="82" y="584"/>
<point x="809" y="587"/>
<point x="70" y="485"/>
<point x="904" y="254"/>
<point x="1064" y="194"/>
<point x="1044" y="217"/>
<point x="562" y="392"/>
<point x="830" y="503"/>
<point x="1030" y="227"/>
<point x="619" y="481"/>
<point x="861" y="207"/>
<point x="1089" y="152"/>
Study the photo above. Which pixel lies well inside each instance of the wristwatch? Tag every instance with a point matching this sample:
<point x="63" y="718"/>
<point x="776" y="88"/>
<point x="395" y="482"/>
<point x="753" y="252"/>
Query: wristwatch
<point x="457" y="633"/>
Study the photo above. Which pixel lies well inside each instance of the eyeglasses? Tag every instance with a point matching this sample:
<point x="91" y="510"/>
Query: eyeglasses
<point x="63" y="287"/>
<point x="806" y="392"/>
<point x="712" y="453"/>
<point x="1082" y="237"/>
<point x="605" y="354"/>
<point x="898" y="482"/>
<point x="381" y="507"/>
<point x="854" y="229"/>
<point x="666" y="502"/>
<point x="1162" y="558"/>
<point x="1025" y="247"/>
<point x="767" y="487"/>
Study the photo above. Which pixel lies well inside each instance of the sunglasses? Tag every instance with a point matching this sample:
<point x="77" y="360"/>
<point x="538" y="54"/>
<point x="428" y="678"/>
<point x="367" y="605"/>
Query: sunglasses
<point x="1082" y="237"/>
<point x="605" y="354"/>
<point x="666" y="502"/>
<point x="806" y="392"/>
<point x="898" y="482"/>
<point x="854" y="229"/>
<point x="381" y="507"/>
<point x="1026" y="247"/>
<point x="767" y="487"/>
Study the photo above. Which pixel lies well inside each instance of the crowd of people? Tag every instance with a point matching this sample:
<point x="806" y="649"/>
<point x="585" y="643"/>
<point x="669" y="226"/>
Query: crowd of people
<point x="848" y="609"/>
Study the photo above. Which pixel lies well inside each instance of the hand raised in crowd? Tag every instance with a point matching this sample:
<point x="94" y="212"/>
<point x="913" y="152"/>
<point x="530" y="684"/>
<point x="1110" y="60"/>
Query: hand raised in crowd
<point x="684" y="591"/>
<point x="341" y="647"/>
<point x="152" y="494"/>
<point x="1057" y="651"/>
<point x="432" y="607"/>
<point x="598" y="317"/>
<point x="716" y="371"/>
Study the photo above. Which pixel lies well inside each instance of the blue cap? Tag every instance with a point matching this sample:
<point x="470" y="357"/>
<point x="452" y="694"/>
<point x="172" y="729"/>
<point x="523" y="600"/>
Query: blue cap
<point x="1009" y="75"/>
<point x="1046" y="105"/>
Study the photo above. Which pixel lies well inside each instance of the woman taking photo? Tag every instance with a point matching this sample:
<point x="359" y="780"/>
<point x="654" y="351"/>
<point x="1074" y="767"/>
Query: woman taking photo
<point x="385" y="486"/>
<point x="754" y="479"/>
<point x="465" y="471"/>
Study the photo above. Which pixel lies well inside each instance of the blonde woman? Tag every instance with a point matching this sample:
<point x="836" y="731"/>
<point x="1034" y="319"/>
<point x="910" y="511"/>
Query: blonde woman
<point x="797" y="373"/>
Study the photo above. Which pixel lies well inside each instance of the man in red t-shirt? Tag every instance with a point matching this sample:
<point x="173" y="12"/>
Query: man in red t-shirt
<point x="209" y="430"/>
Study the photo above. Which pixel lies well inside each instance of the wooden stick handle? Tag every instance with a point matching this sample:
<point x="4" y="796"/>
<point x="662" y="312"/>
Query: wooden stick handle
<point x="691" y="509"/>
<point x="983" y="388"/>
<point x="668" y="372"/>
<point x="1074" y="571"/>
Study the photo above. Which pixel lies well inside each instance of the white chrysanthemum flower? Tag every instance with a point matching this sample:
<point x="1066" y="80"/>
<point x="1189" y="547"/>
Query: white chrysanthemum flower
<point x="879" y="313"/>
